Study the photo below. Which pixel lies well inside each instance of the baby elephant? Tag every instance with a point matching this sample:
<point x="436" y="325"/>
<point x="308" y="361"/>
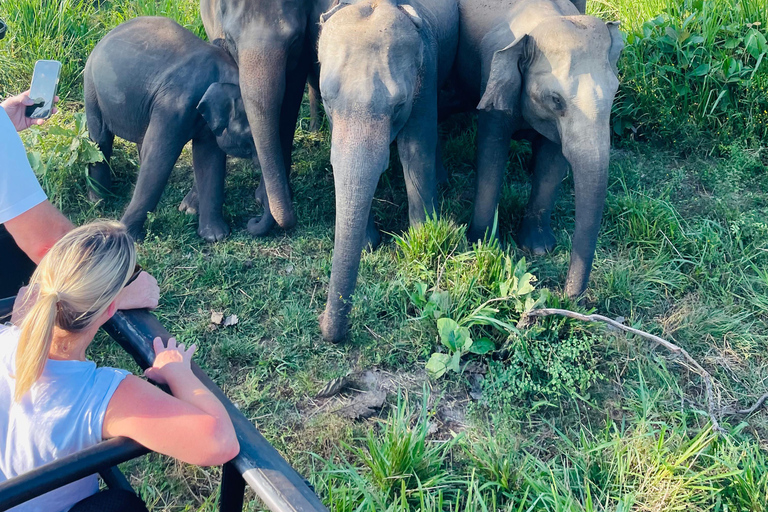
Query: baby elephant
<point x="155" y="83"/>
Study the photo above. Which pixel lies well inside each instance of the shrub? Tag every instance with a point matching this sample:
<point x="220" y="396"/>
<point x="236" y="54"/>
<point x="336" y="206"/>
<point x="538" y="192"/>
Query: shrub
<point x="699" y="66"/>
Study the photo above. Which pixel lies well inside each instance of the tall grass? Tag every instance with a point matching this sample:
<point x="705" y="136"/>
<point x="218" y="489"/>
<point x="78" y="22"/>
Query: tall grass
<point x="67" y="31"/>
<point x="690" y="68"/>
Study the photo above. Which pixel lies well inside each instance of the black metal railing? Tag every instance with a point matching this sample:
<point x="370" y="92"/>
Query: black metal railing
<point x="258" y="464"/>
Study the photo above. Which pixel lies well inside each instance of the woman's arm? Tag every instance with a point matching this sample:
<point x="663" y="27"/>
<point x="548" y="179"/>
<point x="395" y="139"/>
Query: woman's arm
<point x="192" y="426"/>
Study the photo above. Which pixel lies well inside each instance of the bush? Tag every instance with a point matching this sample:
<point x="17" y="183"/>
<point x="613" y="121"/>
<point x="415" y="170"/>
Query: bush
<point x="699" y="66"/>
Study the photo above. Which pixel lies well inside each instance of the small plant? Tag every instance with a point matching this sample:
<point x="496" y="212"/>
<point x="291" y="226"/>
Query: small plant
<point x="64" y="147"/>
<point x="475" y="296"/>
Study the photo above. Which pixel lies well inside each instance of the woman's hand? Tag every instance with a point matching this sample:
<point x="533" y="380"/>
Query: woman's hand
<point x="16" y="107"/>
<point x="170" y="362"/>
<point x="140" y="294"/>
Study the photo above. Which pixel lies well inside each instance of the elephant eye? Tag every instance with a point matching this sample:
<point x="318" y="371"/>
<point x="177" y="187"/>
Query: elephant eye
<point x="558" y="102"/>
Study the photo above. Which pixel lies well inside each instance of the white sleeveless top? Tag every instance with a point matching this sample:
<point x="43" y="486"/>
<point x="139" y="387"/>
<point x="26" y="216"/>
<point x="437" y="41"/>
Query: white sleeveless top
<point x="61" y="414"/>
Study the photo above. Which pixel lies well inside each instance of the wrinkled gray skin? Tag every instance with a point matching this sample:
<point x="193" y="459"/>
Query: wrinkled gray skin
<point x="539" y="67"/>
<point x="273" y="43"/>
<point x="381" y="65"/>
<point x="153" y="82"/>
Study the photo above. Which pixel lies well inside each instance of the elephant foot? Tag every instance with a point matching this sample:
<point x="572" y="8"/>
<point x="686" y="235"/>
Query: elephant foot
<point x="333" y="332"/>
<point x="213" y="231"/>
<point x="536" y="239"/>
<point x="575" y="287"/>
<point x="190" y="203"/>
<point x="479" y="233"/>
<point x="136" y="230"/>
<point x="261" y="226"/>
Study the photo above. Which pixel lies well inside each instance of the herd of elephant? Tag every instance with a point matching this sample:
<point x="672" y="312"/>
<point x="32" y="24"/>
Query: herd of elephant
<point x="385" y="70"/>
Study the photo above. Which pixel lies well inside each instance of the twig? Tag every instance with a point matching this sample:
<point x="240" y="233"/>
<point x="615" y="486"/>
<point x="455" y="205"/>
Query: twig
<point x="747" y="412"/>
<point x="675" y="349"/>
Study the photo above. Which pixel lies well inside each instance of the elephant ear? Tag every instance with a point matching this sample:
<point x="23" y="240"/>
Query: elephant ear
<point x="502" y="92"/>
<point x="338" y="5"/>
<point x="411" y="12"/>
<point x="617" y="44"/>
<point x="218" y="104"/>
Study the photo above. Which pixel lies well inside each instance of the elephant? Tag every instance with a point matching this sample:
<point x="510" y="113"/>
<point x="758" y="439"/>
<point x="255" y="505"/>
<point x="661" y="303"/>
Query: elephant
<point x="382" y="63"/>
<point x="273" y="43"/>
<point x="153" y="82"/>
<point x="543" y="70"/>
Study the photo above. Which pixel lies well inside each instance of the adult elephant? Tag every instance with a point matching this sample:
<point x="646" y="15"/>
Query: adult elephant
<point x="381" y="65"/>
<point x="273" y="43"/>
<point x="543" y="67"/>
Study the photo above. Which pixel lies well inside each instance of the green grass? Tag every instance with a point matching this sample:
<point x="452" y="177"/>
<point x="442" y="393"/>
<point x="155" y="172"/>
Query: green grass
<point x="563" y="416"/>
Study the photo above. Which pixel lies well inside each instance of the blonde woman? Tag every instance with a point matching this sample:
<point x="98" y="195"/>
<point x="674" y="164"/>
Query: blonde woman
<point x="53" y="402"/>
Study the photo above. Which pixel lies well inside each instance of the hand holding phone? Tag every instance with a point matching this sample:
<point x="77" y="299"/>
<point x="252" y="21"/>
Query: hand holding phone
<point x="45" y="81"/>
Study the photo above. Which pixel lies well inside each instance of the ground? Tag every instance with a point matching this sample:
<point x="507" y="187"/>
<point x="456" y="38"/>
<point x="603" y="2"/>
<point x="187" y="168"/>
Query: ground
<point x="560" y="416"/>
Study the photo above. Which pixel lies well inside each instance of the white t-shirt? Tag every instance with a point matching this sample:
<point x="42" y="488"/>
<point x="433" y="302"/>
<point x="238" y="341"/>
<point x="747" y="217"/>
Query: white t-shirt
<point x="61" y="414"/>
<point x="19" y="189"/>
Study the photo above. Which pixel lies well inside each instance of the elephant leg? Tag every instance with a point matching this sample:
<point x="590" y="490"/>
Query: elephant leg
<point x="550" y="168"/>
<point x="417" y="147"/>
<point x="99" y="173"/>
<point x="100" y="182"/>
<point x="210" y="165"/>
<point x="190" y="204"/>
<point x="158" y="157"/>
<point x="494" y="131"/>
<point x="261" y="226"/>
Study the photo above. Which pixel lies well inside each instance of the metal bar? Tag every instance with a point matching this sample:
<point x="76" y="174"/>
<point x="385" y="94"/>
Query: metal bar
<point x="262" y="467"/>
<point x="68" y="469"/>
<point x="115" y="479"/>
<point x="232" y="488"/>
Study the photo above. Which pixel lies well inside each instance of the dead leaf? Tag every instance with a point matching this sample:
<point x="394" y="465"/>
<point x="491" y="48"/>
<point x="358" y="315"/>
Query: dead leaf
<point x="217" y="317"/>
<point x="231" y="320"/>
<point x="333" y="387"/>
<point x="364" y="405"/>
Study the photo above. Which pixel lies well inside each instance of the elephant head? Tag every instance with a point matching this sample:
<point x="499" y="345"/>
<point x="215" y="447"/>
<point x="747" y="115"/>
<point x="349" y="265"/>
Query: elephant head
<point x="222" y="108"/>
<point x="561" y="79"/>
<point x="370" y="55"/>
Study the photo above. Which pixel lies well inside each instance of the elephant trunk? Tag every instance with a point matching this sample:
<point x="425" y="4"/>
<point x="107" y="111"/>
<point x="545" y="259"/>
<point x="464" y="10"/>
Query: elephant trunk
<point x="588" y="152"/>
<point x="263" y="82"/>
<point x="359" y="154"/>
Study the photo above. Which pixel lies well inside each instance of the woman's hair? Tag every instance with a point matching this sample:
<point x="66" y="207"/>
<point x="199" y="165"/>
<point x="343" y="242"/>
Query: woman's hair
<point x="73" y="285"/>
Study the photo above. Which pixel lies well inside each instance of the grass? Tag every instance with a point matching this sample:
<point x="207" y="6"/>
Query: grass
<point x="561" y="416"/>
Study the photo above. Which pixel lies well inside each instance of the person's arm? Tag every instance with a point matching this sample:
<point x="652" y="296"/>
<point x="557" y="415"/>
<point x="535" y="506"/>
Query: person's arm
<point x="192" y="426"/>
<point x="37" y="229"/>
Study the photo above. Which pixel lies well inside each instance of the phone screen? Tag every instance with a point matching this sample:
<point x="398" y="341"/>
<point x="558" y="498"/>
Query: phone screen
<point x="43" y="90"/>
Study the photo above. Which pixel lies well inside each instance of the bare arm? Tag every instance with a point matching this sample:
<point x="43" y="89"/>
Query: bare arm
<point x="36" y="230"/>
<point x="192" y="426"/>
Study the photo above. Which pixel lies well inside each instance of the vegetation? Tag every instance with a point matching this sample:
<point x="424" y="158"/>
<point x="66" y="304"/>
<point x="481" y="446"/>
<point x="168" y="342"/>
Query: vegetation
<point x="557" y="416"/>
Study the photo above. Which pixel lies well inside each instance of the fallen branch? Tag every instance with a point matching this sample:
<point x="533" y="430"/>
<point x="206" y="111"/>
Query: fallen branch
<point x="746" y="412"/>
<point x="709" y="382"/>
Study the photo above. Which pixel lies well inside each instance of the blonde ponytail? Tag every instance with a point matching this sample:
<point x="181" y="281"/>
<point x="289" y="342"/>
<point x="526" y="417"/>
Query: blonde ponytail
<point x="72" y="287"/>
<point x="35" y="343"/>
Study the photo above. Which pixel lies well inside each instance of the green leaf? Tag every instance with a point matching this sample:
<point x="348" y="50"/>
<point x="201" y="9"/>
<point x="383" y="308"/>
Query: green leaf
<point x="59" y="131"/>
<point x="448" y="330"/>
<point x="701" y="70"/>
<point x="482" y="346"/>
<point x="525" y="287"/>
<point x="441" y="301"/>
<point x="438" y="365"/>
<point x="36" y="162"/>
<point x="91" y="154"/>
<point x="455" y="362"/>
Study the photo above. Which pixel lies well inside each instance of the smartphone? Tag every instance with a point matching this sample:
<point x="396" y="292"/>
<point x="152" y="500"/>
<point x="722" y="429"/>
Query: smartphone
<point x="45" y="80"/>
